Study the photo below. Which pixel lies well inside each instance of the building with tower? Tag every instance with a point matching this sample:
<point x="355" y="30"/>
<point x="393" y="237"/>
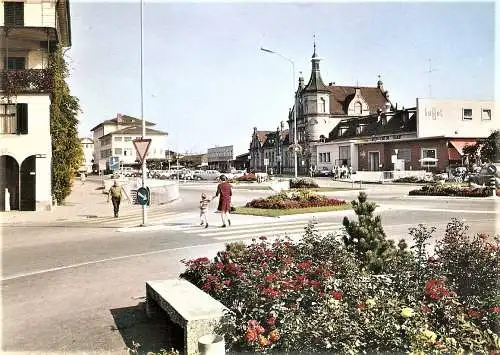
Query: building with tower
<point x="320" y="108"/>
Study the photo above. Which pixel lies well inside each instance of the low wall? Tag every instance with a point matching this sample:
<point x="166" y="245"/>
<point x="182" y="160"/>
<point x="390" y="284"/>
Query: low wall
<point x="381" y="176"/>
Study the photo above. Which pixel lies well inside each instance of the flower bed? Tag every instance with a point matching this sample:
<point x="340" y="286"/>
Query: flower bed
<point x="247" y="177"/>
<point x="294" y="199"/>
<point x="318" y="296"/>
<point x="303" y="183"/>
<point x="450" y="190"/>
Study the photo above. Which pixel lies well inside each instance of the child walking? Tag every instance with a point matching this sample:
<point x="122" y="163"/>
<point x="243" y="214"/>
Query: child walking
<point x="204" y="202"/>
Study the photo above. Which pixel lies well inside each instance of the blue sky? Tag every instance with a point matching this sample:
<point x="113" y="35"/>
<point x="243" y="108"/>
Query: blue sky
<point x="207" y="83"/>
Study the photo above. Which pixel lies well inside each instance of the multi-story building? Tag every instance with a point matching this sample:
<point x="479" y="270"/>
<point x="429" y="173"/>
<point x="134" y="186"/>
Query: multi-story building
<point x="220" y="158"/>
<point x="358" y="126"/>
<point x="114" y="138"/>
<point x="30" y="31"/>
<point x="88" y="155"/>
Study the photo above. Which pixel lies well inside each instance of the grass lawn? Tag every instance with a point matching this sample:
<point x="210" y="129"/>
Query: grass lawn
<point x="276" y="213"/>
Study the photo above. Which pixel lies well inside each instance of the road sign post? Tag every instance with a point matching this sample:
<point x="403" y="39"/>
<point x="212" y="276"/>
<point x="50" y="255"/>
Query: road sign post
<point x="141" y="146"/>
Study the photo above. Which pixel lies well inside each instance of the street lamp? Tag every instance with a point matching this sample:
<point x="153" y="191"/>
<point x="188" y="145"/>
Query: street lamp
<point x="294" y="108"/>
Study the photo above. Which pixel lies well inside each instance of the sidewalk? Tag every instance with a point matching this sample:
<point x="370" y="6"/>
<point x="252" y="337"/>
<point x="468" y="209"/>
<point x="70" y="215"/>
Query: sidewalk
<point x="85" y="201"/>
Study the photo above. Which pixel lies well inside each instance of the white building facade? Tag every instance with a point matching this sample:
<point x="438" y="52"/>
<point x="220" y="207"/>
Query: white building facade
<point x="30" y="31"/>
<point x="456" y="118"/>
<point x="88" y="155"/>
<point x="114" y="138"/>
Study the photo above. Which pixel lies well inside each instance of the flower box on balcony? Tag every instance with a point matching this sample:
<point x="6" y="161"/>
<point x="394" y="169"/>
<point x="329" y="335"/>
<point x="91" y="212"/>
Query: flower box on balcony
<point x="14" y="82"/>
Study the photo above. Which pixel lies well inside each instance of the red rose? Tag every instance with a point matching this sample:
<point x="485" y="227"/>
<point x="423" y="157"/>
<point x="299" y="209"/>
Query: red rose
<point x="337" y="295"/>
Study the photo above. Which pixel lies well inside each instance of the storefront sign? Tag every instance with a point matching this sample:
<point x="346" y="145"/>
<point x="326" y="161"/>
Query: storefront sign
<point x="433" y="112"/>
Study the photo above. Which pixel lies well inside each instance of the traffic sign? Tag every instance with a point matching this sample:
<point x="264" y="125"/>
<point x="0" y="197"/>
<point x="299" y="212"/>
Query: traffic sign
<point x="142" y="196"/>
<point x="114" y="163"/>
<point x="141" y="147"/>
<point x="492" y="169"/>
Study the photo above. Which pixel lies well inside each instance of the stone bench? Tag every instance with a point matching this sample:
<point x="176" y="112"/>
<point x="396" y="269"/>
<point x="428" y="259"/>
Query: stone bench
<point x="189" y="307"/>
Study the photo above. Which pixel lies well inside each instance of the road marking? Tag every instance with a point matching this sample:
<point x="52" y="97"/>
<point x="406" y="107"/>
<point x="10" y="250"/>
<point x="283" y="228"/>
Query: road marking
<point x="268" y="229"/>
<point x="441" y="210"/>
<point x="100" y="261"/>
<point x="288" y="233"/>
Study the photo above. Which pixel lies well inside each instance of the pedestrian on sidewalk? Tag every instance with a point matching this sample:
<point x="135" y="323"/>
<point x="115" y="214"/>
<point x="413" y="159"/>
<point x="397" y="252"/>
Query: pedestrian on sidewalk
<point x="224" y="191"/>
<point x="204" y="202"/>
<point x="115" y="192"/>
<point x="83" y="178"/>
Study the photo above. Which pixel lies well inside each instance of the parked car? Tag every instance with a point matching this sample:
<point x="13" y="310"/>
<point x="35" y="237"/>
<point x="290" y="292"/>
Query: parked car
<point x="324" y="171"/>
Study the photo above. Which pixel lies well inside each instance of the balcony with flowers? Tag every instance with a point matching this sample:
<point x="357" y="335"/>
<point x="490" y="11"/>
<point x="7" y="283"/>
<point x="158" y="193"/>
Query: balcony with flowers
<point x="24" y="81"/>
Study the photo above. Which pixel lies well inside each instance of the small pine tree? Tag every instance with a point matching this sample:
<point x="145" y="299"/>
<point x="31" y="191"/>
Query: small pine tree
<point x="366" y="237"/>
<point x="67" y="152"/>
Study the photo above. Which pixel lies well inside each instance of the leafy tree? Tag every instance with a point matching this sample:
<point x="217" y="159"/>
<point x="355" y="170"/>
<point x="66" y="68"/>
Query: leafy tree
<point x="490" y="149"/>
<point x="67" y="153"/>
<point x="366" y="237"/>
<point x="472" y="151"/>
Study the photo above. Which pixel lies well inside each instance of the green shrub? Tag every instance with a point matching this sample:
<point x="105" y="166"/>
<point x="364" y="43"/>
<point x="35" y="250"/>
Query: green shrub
<point x="301" y="183"/>
<point x="366" y="237"/>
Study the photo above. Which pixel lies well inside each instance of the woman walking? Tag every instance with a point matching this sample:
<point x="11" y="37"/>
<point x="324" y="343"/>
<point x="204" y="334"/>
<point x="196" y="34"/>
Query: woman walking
<point x="224" y="192"/>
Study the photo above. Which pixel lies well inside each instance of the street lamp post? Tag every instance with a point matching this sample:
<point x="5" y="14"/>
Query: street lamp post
<point x="294" y="109"/>
<point x="144" y="211"/>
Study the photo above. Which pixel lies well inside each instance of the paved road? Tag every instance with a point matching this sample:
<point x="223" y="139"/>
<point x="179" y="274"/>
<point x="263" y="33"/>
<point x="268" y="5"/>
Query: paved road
<point x="69" y="286"/>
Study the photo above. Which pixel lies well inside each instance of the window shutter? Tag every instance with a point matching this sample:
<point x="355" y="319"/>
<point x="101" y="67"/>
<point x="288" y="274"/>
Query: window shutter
<point x="22" y="118"/>
<point x="14" y="13"/>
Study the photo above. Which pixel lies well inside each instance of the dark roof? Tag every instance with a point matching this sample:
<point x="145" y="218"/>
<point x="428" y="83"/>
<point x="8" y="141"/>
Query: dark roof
<point x="136" y="130"/>
<point x="341" y="96"/>
<point x="123" y="120"/>
<point x="403" y="121"/>
<point x="315" y="82"/>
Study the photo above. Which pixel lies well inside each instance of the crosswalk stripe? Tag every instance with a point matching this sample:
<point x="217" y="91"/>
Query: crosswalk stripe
<point x="289" y="233"/>
<point x="196" y="229"/>
<point x="256" y="229"/>
<point x="133" y="219"/>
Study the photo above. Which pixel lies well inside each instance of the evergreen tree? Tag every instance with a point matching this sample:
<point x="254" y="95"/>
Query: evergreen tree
<point x="366" y="237"/>
<point x="67" y="153"/>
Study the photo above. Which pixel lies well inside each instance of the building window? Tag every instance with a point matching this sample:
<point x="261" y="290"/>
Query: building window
<point x="323" y="105"/>
<point x="404" y="154"/>
<point x="486" y="114"/>
<point x="127" y="152"/>
<point x="118" y="139"/>
<point x="127" y="139"/>
<point x="360" y="128"/>
<point x="467" y="114"/>
<point x="429" y="157"/>
<point x="328" y="157"/>
<point x="358" y="108"/>
<point x="14" y="118"/>
<point x="344" y="155"/>
<point x="342" y="131"/>
<point x="118" y="151"/>
<point x="14" y="63"/>
<point x="13" y="13"/>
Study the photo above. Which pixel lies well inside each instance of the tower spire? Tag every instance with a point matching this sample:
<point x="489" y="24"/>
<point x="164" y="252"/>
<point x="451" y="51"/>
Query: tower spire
<point x="315" y="82"/>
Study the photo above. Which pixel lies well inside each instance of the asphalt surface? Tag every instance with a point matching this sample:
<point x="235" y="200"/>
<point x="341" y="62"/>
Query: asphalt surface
<point x="73" y="287"/>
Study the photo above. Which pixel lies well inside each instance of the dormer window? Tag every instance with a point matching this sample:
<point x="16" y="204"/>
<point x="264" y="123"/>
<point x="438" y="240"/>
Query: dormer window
<point x="360" y="128"/>
<point x="323" y="105"/>
<point x="342" y="131"/>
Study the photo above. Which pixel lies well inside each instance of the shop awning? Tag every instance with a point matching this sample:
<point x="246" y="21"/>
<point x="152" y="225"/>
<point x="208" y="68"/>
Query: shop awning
<point x="459" y="144"/>
<point x="453" y="154"/>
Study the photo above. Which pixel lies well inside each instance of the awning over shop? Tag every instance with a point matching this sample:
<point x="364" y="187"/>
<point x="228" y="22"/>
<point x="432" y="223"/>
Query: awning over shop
<point x="459" y="144"/>
<point x="453" y="154"/>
